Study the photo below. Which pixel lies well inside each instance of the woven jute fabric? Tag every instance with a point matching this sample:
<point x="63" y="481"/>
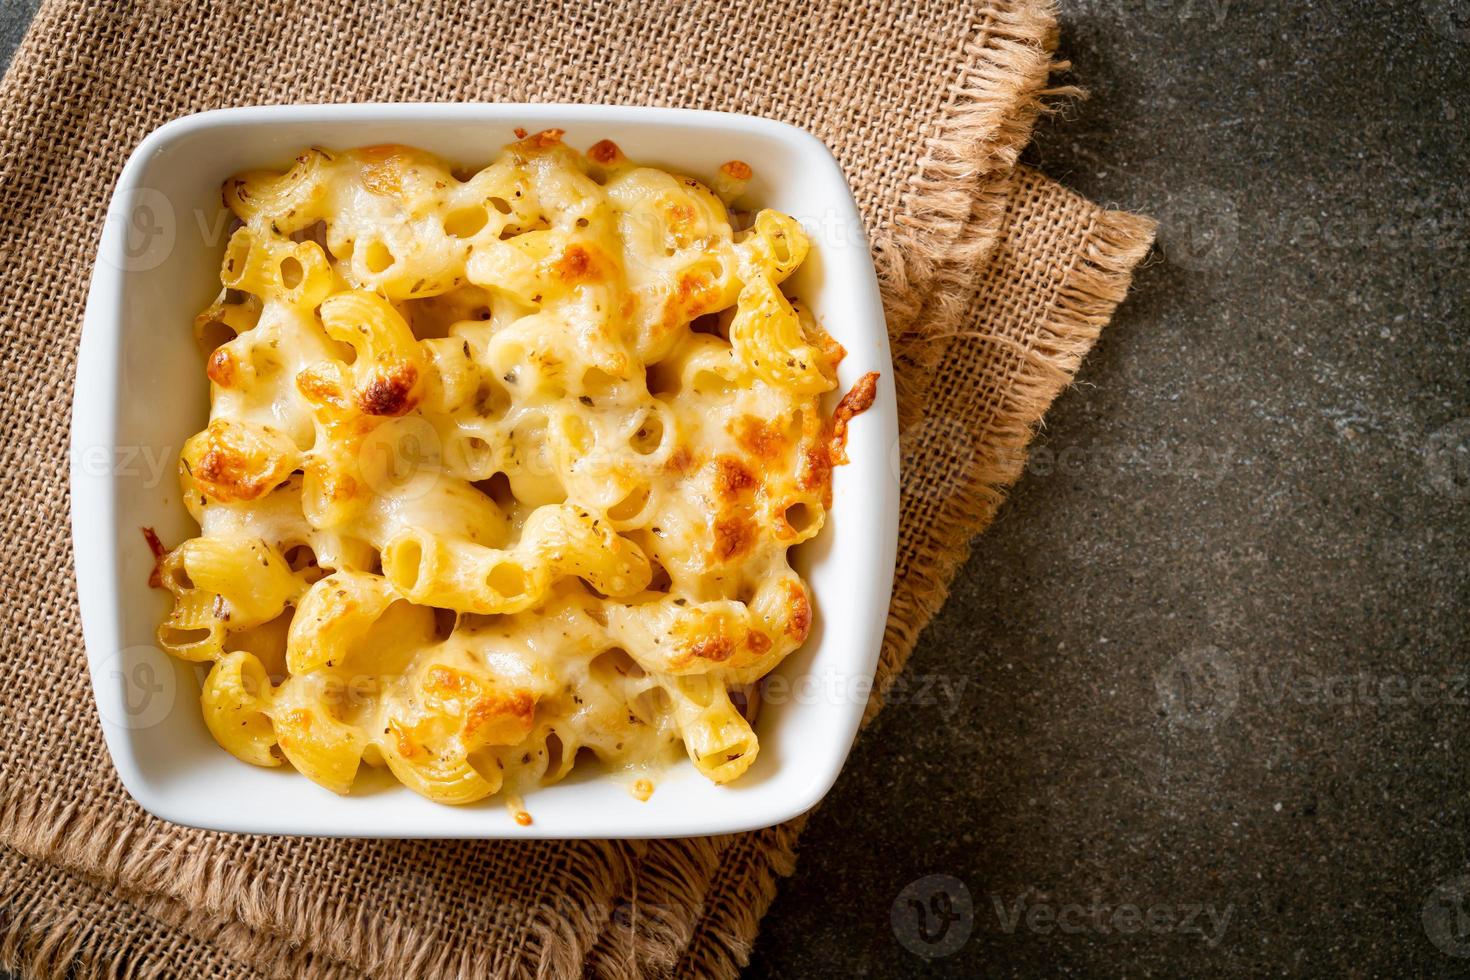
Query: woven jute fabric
<point x="995" y="280"/>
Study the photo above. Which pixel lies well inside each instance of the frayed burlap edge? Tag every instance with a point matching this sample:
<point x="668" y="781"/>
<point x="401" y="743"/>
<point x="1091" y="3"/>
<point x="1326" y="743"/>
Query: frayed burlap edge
<point x="662" y="908"/>
<point x="950" y="212"/>
<point x="100" y="851"/>
<point x="83" y="930"/>
<point x="52" y="939"/>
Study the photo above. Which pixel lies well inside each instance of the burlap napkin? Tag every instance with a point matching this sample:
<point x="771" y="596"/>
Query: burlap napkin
<point x="996" y="283"/>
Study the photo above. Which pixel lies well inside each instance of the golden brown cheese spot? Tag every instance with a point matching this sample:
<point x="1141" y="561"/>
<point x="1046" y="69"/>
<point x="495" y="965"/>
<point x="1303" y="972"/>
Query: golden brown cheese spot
<point x="679" y="216"/>
<point x="732" y="478"/>
<point x="383" y="169"/>
<point x="736" y="169"/>
<point x="447" y="682"/>
<point x="694" y="294"/>
<point x="604" y="151"/>
<point x="359" y="427"/>
<point x="497" y="720"/>
<point x="520" y="132"/>
<point x="345" y="489"/>
<point x="402" y="740"/>
<point x="226" y="474"/>
<point x="336" y="487"/>
<point x="710" y="638"/>
<point x="857" y="400"/>
<point x="816" y="471"/>
<point x="680" y="461"/>
<point x="832" y="351"/>
<point x="693" y="286"/>
<point x="758" y="642"/>
<point x="237" y="463"/>
<point x="762" y="439"/>
<point x="734" y="536"/>
<point x="299" y="720"/>
<point x="714" y="647"/>
<point x="389" y="393"/>
<point x="798" y="612"/>
<point x="543" y="140"/>
<point x="320" y="388"/>
<point x="379" y="152"/>
<point x="577" y="265"/>
<point x="222" y="369"/>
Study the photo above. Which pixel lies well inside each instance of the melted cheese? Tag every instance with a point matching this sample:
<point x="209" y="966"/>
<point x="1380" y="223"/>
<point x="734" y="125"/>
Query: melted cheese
<point x="501" y="467"/>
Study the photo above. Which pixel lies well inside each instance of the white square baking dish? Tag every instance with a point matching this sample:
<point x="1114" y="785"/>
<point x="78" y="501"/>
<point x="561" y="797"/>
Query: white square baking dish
<point x="140" y="391"/>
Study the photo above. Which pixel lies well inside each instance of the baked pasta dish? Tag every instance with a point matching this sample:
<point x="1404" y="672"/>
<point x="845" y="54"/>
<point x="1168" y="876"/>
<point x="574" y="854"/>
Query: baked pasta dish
<point x="502" y="468"/>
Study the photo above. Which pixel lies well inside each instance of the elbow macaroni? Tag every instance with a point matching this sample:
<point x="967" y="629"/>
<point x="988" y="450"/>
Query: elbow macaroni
<point x="501" y="467"/>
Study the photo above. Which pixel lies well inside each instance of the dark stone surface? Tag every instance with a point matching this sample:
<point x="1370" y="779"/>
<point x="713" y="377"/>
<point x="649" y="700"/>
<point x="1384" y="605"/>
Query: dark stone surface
<point x="15" y="17"/>
<point x="1214" y="652"/>
<point x="1213" y="655"/>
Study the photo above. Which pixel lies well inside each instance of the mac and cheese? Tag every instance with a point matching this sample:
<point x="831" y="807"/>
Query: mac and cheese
<point x="501" y="466"/>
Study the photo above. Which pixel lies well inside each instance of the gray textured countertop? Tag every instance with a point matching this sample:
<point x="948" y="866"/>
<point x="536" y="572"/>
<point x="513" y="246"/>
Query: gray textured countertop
<point x="1216" y="702"/>
<point x="1206" y="682"/>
